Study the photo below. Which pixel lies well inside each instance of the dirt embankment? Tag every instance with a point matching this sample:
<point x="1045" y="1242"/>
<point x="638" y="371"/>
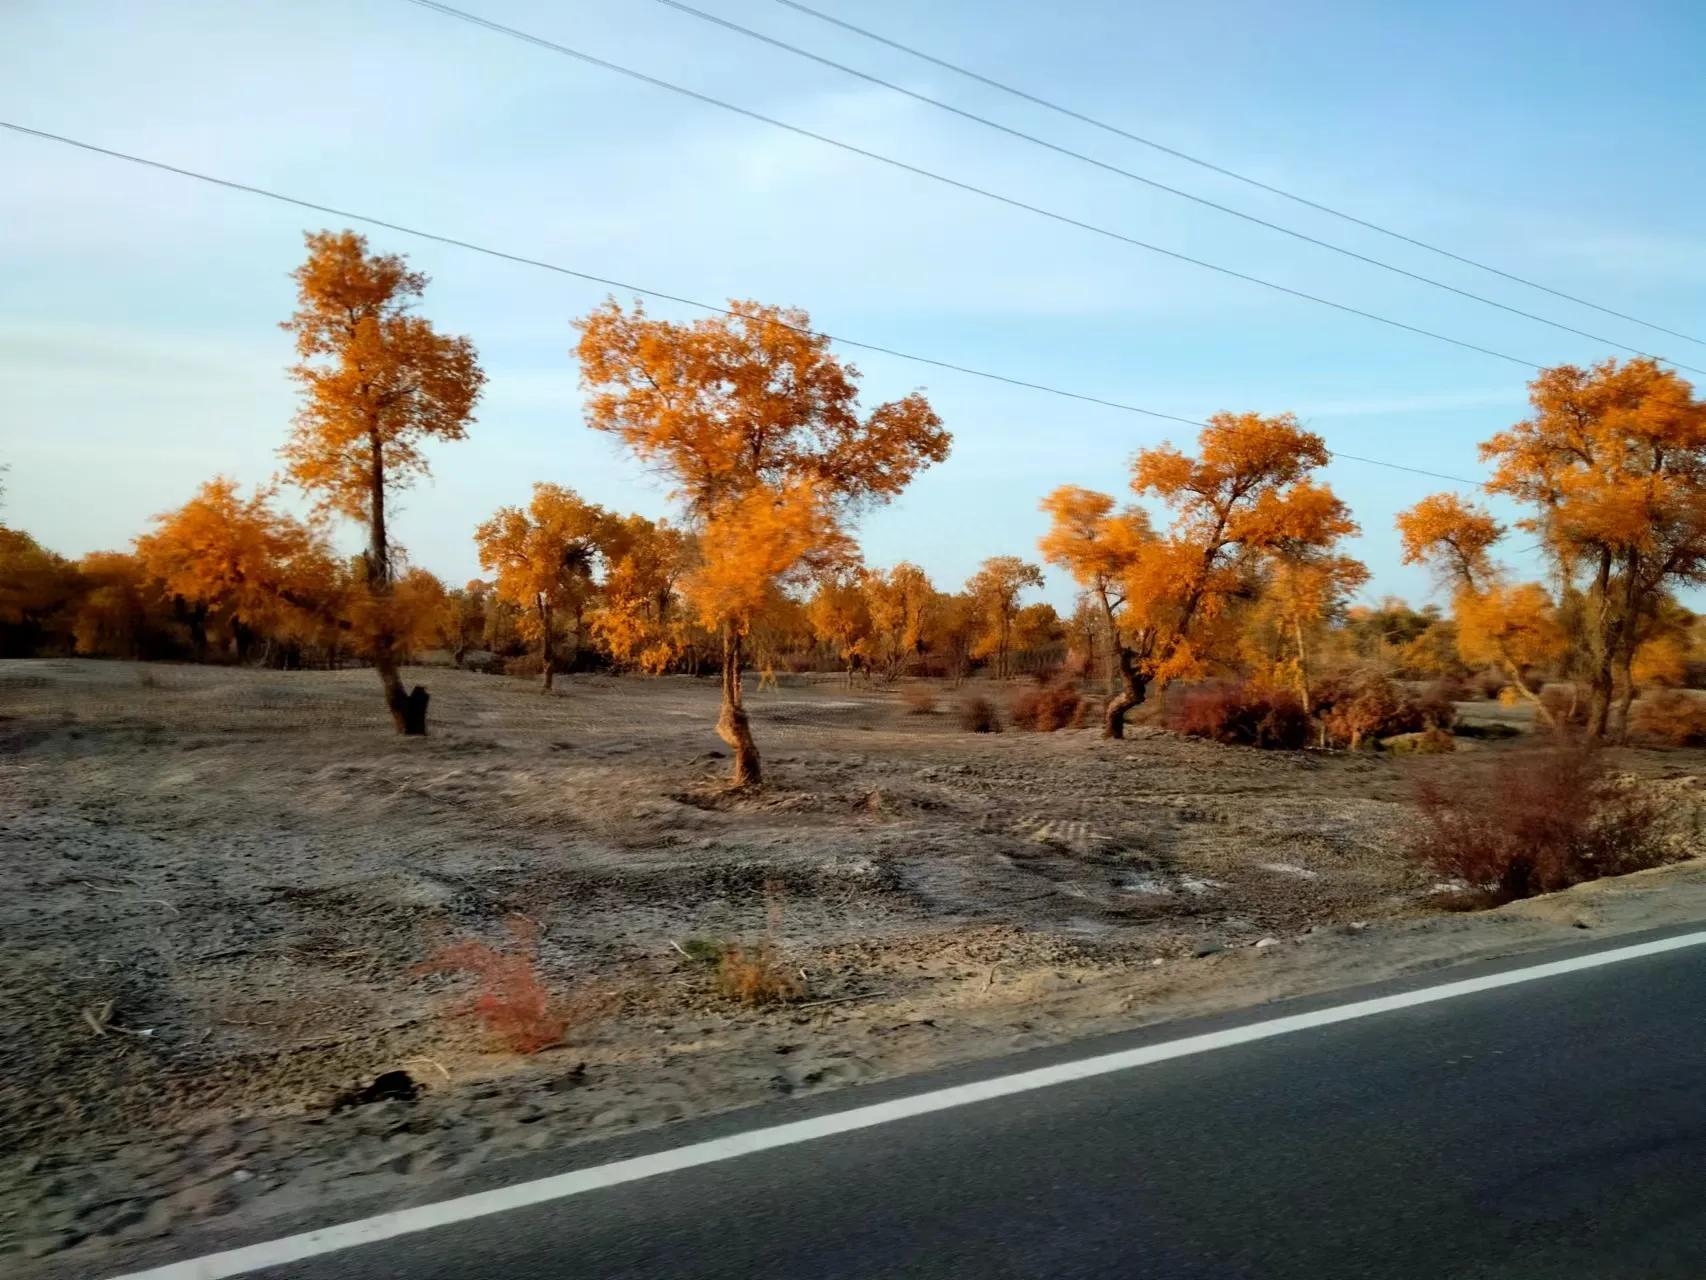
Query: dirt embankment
<point x="217" y="887"/>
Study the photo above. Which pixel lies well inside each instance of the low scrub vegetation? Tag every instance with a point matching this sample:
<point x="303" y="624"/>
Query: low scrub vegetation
<point x="1242" y="715"/>
<point x="978" y="715"/>
<point x="511" y="1002"/>
<point x="1539" y="821"/>
<point x="755" y="974"/>
<point x="1048" y="708"/>
<point x="1363" y="707"/>
<point x="1671" y="717"/>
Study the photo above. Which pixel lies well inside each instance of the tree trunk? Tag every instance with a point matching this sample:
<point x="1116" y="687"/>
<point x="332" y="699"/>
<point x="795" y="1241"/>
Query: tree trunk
<point x="547" y="656"/>
<point x="1541" y="713"/>
<point x="1131" y="694"/>
<point x="732" y="725"/>
<point x="1625" y="665"/>
<point x="1603" y="650"/>
<point x="1600" y="689"/>
<point x="408" y="710"/>
<point x="1302" y="664"/>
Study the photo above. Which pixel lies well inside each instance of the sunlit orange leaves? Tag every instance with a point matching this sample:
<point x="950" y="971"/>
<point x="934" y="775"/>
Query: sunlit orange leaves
<point x="239" y="559"/>
<point x="377" y="382"/>
<point x="752" y="398"/>
<point x="1453" y="536"/>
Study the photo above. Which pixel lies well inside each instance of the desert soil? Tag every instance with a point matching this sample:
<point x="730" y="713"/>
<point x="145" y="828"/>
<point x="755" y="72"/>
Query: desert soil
<point x="218" y="889"/>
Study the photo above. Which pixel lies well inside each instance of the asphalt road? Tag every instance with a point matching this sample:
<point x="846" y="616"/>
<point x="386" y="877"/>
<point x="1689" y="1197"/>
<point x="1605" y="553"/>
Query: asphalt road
<point x="1556" y="1128"/>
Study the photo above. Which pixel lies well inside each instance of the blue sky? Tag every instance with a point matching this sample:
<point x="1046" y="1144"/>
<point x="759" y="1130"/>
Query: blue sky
<point x="139" y="352"/>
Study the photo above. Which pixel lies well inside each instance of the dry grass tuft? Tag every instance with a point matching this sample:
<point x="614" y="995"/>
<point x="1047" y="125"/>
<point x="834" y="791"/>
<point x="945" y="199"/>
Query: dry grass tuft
<point x="755" y="974"/>
<point x="1540" y="821"/>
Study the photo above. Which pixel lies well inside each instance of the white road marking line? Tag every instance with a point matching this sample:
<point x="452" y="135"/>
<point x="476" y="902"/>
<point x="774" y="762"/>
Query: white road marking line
<point x="384" y="1226"/>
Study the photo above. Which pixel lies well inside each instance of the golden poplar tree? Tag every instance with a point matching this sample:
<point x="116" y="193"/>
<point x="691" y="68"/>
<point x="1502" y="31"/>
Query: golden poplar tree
<point x="757" y="423"/>
<point x="378" y="383"/>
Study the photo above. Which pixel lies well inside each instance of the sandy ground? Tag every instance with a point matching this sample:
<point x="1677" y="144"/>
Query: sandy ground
<point x="237" y="873"/>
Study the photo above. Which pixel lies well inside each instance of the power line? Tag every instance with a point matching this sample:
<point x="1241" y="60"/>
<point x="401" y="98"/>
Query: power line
<point x="759" y="36"/>
<point x="1117" y="131"/>
<point x="608" y="282"/>
<point x="1012" y="201"/>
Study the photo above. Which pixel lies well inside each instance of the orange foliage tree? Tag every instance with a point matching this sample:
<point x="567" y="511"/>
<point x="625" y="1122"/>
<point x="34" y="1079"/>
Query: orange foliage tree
<point x="378" y="383"/>
<point x="1247" y="500"/>
<point x="37" y="589"/>
<point x="1612" y="464"/>
<point x="236" y="565"/>
<point x="119" y="609"/>
<point x="543" y="557"/>
<point x="950" y="631"/>
<point x="1099" y="547"/>
<point x="1304" y="592"/>
<point x="1512" y="627"/>
<point x="635" y="617"/>
<point x="899" y="601"/>
<point x="839" y="614"/>
<point x="756" y="422"/>
<point x="995" y="589"/>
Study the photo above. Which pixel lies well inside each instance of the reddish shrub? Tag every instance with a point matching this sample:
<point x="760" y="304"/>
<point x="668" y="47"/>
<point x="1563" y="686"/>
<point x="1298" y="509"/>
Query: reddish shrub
<point x="1671" y="716"/>
<point x="1540" y="821"/>
<point x="511" y="1003"/>
<point x="1245" y="715"/>
<point x="978" y="715"/>
<point x="1055" y="706"/>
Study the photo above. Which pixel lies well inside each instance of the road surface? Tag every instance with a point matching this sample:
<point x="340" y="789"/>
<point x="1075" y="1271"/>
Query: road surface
<point x="1555" y="1128"/>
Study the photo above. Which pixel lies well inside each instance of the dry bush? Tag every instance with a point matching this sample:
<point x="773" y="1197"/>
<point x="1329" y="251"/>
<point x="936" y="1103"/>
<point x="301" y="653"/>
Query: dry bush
<point x="755" y="974"/>
<point x="920" y="700"/>
<point x="1364" y="706"/>
<point x="1541" y="820"/>
<point x="1452" y="689"/>
<point x="1432" y="741"/>
<point x="1055" y="706"/>
<point x="511" y="1002"/>
<point x="1244" y="715"/>
<point x="978" y="715"/>
<point x="1671" y="716"/>
<point x="1489" y="683"/>
<point x="1567" y="703"/>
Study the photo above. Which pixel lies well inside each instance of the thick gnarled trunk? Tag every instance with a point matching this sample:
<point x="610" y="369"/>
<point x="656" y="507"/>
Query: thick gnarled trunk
<point x="408" y="710"/>
<point x="1131" y="693"/>
<point x="732" y="725"/>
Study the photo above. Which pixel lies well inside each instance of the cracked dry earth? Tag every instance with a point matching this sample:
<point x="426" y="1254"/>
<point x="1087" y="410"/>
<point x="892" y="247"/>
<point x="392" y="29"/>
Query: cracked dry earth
<point x="217" y="886"/>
